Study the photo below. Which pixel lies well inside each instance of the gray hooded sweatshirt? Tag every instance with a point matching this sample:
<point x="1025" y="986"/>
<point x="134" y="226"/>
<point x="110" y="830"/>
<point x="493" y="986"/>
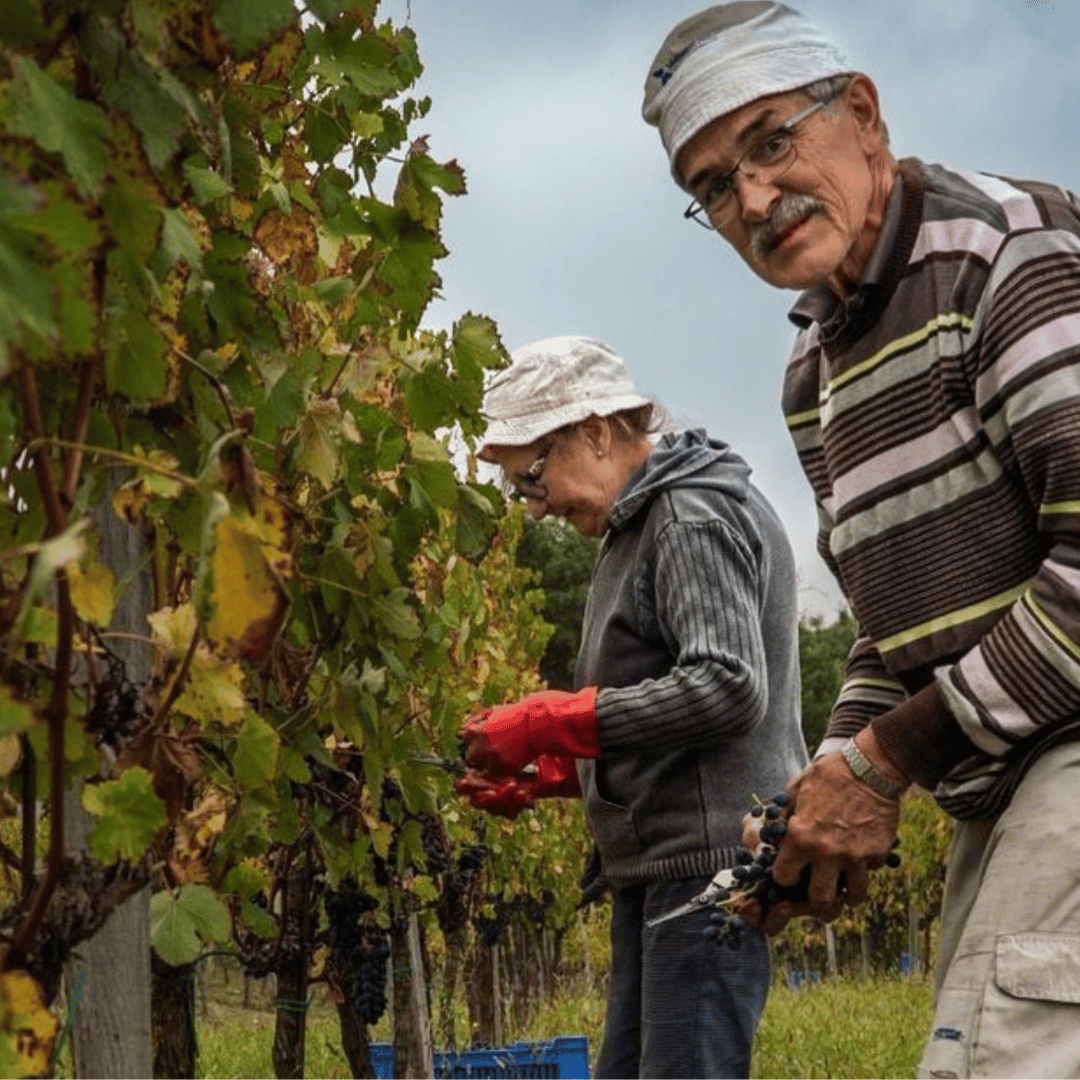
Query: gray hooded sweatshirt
<point x="691" y="633"/>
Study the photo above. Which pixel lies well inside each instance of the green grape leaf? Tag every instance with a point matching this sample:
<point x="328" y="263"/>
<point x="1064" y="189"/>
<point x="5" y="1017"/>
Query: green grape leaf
<point x="255" y="758"/>
<point x="21" y="25"/>
<point x="429" y="397"/>
<point x="15" y="715"/>
<point x="251" y="23"/>
<point x="360" y="61"/>
<point x="393" y="611"/>
<point x="130" y="87"/>
<point x="136" y="357"/>
<point x="476" y="525"/>
<point x="206" y="185"/>
<point x="22" y="299"/>
<point x="258" y="920"/>
<point x="129" y="815"/>
<point x="59" y="122"/>
<point x="178" y="243"/>
<point x="246" y="880"/>
<point x="181" y="922"/>
<point x="60" y="220"/>
<point x="320" y="434"/>
<point x="78" y="311"/>
<point x="133" y="216"/>
<point x="476" y="346"/>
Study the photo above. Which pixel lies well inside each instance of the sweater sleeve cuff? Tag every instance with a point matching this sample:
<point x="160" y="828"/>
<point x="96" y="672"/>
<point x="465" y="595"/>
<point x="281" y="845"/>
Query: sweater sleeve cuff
<point x="922" y="738"/>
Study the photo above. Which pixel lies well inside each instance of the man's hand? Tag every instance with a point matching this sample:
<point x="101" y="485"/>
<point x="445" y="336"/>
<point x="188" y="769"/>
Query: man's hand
<point x="838" y="828"/>
<point x="505" y="738"/>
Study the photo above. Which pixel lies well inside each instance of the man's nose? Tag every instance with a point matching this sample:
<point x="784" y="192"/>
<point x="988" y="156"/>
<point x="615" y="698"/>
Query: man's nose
<point x="757" y="198"/>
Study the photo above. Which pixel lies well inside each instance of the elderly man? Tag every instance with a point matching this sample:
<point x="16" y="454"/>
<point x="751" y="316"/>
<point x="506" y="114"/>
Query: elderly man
<point x="934" y="398"/>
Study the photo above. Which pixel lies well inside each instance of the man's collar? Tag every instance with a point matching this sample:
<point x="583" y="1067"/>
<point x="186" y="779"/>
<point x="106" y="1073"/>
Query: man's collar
<point x="819" y="303"/>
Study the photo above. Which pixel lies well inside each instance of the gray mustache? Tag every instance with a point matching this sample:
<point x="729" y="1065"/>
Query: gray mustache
<point x="790" y="209"/>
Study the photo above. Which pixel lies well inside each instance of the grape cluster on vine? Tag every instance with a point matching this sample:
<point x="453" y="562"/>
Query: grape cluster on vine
<point x="359" y="949"/>
<point x="752" y="876"/>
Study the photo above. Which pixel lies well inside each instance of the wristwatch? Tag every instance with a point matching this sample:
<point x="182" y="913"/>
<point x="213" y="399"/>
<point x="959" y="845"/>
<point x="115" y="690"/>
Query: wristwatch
<point x="868" y="773"/>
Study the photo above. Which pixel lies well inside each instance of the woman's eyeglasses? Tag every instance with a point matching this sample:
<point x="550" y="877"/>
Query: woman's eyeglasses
<point x="530" y="483"/>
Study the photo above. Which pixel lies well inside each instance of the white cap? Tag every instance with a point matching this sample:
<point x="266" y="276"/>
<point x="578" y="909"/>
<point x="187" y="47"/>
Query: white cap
<point x="552" y="383"/>
<point x="727" y="56"/>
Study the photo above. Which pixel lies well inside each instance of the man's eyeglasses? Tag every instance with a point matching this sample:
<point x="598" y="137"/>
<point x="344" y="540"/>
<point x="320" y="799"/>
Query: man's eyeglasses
<point x="530" y="483"/>
<point x="764" y="161"/>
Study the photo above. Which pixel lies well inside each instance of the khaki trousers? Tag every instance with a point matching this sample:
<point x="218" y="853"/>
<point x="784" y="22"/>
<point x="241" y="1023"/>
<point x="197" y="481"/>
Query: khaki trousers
<point x="1008" y="974"/>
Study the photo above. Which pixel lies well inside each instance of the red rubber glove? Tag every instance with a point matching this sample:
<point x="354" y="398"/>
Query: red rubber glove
<point x="505" y="738"/>
<point x="507" y="796"/>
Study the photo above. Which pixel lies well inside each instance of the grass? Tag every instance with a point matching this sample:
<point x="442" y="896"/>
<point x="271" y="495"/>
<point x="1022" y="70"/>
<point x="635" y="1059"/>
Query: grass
<point x="845" y="1028"/>
<point x="835" y="1028"/>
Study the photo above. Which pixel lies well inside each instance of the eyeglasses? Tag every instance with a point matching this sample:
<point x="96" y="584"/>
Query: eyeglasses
<point x="530" y="483"/>
<point x="769" y="158"/>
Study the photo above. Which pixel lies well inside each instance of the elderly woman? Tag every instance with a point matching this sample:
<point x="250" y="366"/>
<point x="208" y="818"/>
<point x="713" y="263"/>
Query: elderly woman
<point x="688" y="704"/>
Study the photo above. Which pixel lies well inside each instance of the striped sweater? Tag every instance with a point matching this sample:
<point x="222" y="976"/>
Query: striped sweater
<point x="937" y="416"/>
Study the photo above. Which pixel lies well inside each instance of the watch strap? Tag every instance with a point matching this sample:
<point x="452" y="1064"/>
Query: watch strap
<point x="865" y="770"/>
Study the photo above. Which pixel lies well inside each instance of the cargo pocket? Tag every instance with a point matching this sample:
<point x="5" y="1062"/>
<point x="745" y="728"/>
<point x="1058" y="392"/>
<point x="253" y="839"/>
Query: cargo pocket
<point x="1030" y="1023"/>
<point x="1043" y="967"/>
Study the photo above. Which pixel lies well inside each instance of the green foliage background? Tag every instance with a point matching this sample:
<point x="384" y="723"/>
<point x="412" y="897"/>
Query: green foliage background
<point x="218" y="237"/>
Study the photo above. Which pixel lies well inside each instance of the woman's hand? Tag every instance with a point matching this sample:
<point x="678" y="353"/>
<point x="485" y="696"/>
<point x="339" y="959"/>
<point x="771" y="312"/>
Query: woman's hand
<point x="505" y="738"/>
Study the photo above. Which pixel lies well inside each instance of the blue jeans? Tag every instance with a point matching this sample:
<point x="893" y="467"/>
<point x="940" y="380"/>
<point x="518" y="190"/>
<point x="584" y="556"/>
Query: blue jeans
<point x="679" y="1005"/>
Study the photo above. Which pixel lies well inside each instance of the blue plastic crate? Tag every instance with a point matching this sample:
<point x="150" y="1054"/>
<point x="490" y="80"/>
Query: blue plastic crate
<point x="564" y="1058"/>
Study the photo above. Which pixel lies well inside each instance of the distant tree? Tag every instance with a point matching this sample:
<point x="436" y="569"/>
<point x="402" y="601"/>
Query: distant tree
<point x="823" y="650"/>
<point x="563" y="559"/>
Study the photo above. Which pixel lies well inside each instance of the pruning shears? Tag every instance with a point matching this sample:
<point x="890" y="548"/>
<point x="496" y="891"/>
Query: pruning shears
<point x="457" y="766"/>
<point x="722" y="881"/>
<point x="454" y="766"/>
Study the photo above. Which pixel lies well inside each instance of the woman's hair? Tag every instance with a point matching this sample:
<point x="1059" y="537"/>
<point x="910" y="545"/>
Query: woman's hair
<point x="640" y="422"/>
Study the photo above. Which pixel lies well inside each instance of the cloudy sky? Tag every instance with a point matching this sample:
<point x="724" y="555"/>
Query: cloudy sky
<point x="572" y="224"/>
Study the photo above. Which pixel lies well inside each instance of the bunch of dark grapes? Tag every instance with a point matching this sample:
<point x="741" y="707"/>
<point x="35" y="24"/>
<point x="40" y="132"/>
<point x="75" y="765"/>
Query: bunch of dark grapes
<point x="452" y="907"/>
<point x="435" y="843"/>
<point x="488" y="931"/>
<point x="369" y="982"/>
<point x="753" y="875"/>
<point x="359" y="949"/>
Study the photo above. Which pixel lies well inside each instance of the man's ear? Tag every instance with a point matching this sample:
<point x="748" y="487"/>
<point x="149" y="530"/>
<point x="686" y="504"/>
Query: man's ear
<point x="861" y="97"/>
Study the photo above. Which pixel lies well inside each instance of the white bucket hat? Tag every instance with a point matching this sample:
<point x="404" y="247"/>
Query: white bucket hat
<point x="727" y="56"/>
<point x="552" y="383"/>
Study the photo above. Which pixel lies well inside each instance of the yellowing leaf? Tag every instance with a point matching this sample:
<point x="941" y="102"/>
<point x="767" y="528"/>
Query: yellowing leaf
<point x="10" y="753"/>
<point x="320" y="433"/>
<point x="130" y="500"/>
<point x="214" y="691"/>
<point x="129" y="815"/>
<point x="381" y="836"/>
<point x="93" y="592"/>
<point x="173" y="629"/>
<point x="245" y="601"/>
<point x="29" y="1029"/>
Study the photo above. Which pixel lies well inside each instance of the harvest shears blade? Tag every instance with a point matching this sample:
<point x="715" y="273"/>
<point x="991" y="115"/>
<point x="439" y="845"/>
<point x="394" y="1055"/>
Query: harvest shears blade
<point x="722" y="881"/>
